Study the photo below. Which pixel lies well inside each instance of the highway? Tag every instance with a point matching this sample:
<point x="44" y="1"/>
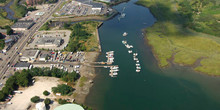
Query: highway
<point x="12" y="56"/>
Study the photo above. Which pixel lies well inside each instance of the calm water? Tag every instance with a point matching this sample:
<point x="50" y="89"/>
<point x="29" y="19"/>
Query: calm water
<point x="174" y="88"/>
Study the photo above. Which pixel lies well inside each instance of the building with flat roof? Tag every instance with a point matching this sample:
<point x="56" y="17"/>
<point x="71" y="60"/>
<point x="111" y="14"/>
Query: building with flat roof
<point x="22" y="65"/>
<point x="22" y="25"/>
<point x="10" y="40"/>
<point x="108" y="1"/>
<point x="94" y="5"/>
<point x="49" y="41"/>
<point x="29" y="55"/>
<point x="43" y="57"/>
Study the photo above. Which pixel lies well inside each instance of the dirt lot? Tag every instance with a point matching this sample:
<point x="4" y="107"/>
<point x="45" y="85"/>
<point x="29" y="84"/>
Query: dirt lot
<point x="22" y="101"/>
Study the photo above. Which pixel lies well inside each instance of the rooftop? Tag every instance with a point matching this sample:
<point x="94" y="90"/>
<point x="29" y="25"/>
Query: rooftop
<point x="22" y="64"/>
<point x="29" y="53"/>
<point x="23" y="24"/>
<point x="49" y="40"/>
<point x="89" y="2"/>
<point x="43" y="55"/>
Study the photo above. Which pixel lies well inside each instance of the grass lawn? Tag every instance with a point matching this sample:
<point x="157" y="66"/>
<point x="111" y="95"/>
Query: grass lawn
<point x="2" y="44"/>
<point x="92" y="43"/>
<point x="3" y="20"/>
<point x="169" y="38"/>
<point x="82" y="80"/>
<point x="19" y="10"/>
<point x="88" y="41"/>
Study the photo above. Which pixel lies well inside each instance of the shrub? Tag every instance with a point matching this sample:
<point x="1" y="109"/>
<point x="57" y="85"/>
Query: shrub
<point x="35" y="99"/>
<point x="46" y="93"/>
<point x="47" y="101"/>
<point x="63" y="89"/>
<point x="62" y="101"/>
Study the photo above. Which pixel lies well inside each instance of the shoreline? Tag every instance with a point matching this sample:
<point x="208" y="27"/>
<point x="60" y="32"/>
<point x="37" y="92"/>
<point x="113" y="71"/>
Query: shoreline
<point x="87" y="73"/>
<point x="170" y="60"/>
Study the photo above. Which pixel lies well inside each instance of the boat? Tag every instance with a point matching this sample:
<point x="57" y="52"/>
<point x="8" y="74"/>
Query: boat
<point x="135" y="58"/>
<point x="138" y="70"/>
<point x="123" y="15"/>
<point x="115" y="73"/>
<point x="137" y="64"/>
<point x="128" y="46"/>
<point x="129" y="51"/>
<point x="113" y="70"/>
<point x="114" y="67"/>
<point x="135" y="54"/>
<point x="137" y="61"/>
<point x="131" y="46"/>
<point x="138" y="67"/>
<point x="124" y="42"/>
<point x="125" y="34"/>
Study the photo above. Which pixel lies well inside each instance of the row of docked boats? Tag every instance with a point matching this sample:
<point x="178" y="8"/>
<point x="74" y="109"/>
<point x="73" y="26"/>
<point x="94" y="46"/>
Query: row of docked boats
<point x="130" y="47"/>
<point x="110" y="59"/>
<point x="114" y="71"/>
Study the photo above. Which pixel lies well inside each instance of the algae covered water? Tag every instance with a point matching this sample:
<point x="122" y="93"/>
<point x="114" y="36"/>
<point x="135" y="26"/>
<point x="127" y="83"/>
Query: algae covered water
<point x="172" y="88"/>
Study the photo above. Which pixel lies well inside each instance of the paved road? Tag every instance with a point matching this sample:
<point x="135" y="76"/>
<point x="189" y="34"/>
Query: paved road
<point x="12" y="56"/>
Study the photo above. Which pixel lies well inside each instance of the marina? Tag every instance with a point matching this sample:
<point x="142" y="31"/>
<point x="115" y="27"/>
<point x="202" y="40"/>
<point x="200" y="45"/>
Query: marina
<point x="152" y="87"/>
<point x="110" y="59"/>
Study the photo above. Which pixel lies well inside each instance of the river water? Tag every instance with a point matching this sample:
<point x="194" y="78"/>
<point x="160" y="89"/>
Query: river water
<point x="172" y="88"/>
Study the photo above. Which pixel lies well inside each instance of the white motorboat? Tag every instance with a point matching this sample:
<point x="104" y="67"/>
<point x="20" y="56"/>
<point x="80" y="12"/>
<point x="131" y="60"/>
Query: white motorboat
<point x="129" y="51"/>
<point x="115" y="73"/>
<point x="127" y="46"/>
<point x="124" y="42"/>
<point x="137" y="61"/>
<point x="135" y="58"/>
<point x="138" y="67"/>
<point x="137" y="64"/>
<point x="138" y="70"/>
<point x="125" y="34"/>
<point x="135" y="54"/>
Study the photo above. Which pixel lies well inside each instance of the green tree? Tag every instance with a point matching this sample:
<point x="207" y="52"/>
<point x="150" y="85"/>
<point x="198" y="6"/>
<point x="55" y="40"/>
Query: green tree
<point x="63" y="89"/>
<point x="46" y="93"/>
<point x="71" y="77"/>
<point x="2" y="96"/>
<point x="35" y="99"/>
<point x="9" y="31"/>
<point x="23" y="78"/>
<point x="47" y="101"/>
<point x="62" y="101"/>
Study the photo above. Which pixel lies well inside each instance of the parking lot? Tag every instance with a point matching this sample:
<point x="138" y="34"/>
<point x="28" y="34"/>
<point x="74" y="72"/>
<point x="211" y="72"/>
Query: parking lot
<point x="73" y="8"/>
<point x="49" y="43"/>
